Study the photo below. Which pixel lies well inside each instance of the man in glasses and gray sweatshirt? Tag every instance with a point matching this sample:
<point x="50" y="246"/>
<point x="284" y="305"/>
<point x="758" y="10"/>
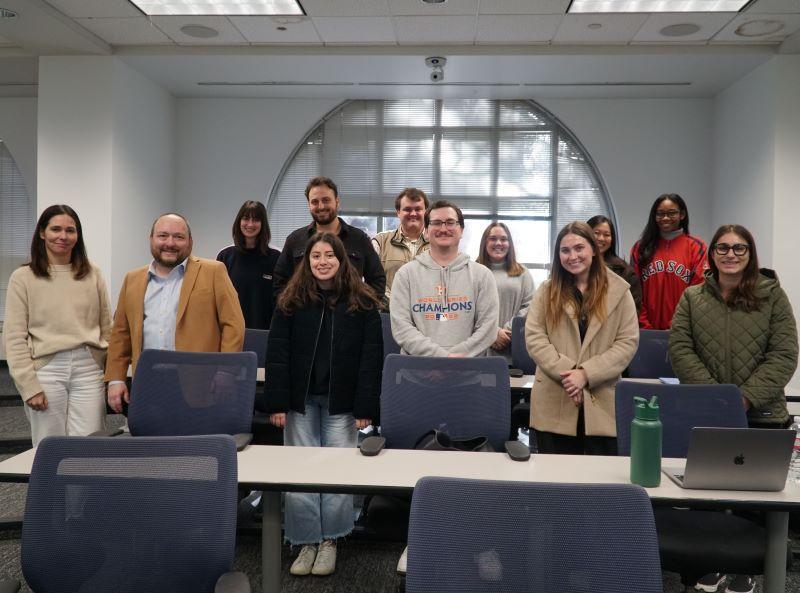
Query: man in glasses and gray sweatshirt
<point x="442" y="303"/>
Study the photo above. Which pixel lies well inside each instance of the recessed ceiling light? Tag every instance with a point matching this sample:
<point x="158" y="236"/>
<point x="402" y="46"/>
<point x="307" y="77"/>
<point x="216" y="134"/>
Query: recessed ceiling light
<point x="594" y="26"/>
<point x="5" y="13"/>
<point x="222" y="7"/>
<point x="679" y="30"/>
<point x="759" y="28"/>
<point x="583" y="6"/>
<point x="199" y="31"/>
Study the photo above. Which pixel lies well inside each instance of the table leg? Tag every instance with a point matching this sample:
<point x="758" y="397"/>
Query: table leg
<point x="271" y="543"/>
<point x="775" y="556"/>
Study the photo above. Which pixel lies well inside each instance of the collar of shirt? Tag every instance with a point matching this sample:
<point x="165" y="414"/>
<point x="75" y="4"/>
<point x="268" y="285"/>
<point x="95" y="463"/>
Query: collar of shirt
<point x="181" y="267"/>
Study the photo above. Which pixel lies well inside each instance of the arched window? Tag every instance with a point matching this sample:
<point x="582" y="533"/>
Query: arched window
<point x="17" y="216"/>
<point x="498" y="160"/>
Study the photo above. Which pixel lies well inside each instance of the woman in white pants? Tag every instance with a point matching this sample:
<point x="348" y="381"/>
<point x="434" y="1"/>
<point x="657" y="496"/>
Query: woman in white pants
<point x="56" y="330"/>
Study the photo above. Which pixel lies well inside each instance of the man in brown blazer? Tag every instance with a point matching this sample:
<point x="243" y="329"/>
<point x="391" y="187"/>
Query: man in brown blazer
<point x="178" y="302"/>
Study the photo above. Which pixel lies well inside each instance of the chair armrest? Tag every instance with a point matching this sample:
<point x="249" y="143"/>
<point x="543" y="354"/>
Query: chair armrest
<point x="242" y="440"/>
<point x="9" y="586"/>
<point x="233" y="582"/>
<point x="111" y="432"/>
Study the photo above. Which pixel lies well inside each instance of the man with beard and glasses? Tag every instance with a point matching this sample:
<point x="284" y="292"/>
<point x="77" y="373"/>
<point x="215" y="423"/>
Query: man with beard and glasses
<point x="178" y="302"/>
<point x="323" y="204"/>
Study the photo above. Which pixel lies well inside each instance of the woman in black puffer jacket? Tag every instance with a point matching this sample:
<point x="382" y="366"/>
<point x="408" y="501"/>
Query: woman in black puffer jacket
<point x="323" y="378"/>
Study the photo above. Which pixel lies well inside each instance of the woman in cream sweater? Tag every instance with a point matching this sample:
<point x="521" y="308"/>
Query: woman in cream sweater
<point x="57" y="325"/>
<point x="581" y="331"/>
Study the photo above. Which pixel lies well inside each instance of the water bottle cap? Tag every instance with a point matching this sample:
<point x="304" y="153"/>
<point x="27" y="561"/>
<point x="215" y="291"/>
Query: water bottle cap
<point x="646" y="410"/>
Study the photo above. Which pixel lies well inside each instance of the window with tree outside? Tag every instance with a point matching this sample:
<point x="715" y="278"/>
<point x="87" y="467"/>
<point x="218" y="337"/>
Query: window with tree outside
<point x="498" y="160"/>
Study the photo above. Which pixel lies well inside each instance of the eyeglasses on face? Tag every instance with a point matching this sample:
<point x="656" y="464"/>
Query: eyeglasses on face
<point x="668" y="213"/>
<point x="738" y="248"/>
<point x="449" y="224"/>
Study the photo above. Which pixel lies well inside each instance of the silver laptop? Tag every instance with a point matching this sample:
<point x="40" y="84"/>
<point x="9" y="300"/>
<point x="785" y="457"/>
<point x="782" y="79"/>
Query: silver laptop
<point x="735" y="459"/>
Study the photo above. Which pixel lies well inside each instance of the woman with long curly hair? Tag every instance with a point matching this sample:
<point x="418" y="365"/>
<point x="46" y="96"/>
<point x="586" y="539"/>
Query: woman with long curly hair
<point x="323" y="382"/>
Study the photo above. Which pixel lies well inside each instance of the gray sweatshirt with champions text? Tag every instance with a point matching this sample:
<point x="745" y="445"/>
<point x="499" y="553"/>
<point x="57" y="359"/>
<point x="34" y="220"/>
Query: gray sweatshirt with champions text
<point x="439" y="310"/>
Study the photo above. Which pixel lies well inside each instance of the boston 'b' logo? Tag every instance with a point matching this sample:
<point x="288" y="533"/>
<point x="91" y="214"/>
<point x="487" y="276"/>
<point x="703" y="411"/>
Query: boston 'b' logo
<point x="739" y="459"/>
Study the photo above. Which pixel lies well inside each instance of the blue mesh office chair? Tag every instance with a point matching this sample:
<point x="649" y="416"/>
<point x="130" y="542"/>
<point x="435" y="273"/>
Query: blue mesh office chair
<point x="255" y="340"/>
<point x="191" y="393"/>
<point x="489" y="536"/>
<point x="694" y="543"/>
<point x="132" y="515"/>
<point x="519" y="351"/>
<point x="682" y="408"/>
<point x="469" y="395"/>
<point x="651" y="360"/>
<point x="389" y="345"/>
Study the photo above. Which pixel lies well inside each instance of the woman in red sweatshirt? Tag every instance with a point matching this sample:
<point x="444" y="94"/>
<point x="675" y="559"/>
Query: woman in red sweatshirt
<point x="667" y="259"/>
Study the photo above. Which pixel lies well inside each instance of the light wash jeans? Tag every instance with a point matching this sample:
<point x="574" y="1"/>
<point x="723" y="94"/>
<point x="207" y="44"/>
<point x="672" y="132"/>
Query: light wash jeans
<point x="76" y="402"/>
<point x="310" y="517"/>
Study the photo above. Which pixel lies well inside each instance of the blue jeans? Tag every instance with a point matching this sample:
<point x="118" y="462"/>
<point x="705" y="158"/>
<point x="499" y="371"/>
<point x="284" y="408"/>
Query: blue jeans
<point x="310" y="517"/>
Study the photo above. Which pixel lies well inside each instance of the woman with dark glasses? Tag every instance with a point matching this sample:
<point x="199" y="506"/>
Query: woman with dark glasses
<point x="737" y="328"/>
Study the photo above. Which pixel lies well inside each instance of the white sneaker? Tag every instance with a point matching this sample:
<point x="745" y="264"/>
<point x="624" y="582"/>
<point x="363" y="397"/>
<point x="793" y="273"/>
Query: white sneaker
<point x="325" y="563"/>
<point x="304" y="562"/>
<point x="403" y="562"/>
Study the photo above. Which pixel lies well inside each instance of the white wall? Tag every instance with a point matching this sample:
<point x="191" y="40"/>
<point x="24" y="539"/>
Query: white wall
<point x="105" y="137"/>
<point x="757" y="151"/>
<point x="18" y="132"/>
<point x="232" y="150"/>
<point x="142" y="168"/>
<point x="644" y="148"/>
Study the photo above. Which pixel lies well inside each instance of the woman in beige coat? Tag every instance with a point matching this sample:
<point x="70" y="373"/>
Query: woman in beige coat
<point x="581" y="331"/>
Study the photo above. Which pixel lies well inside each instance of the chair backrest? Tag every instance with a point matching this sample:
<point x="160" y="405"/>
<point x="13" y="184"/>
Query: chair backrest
<point x="651" y="360"/>
<point x="189" y="393"/>
<point x="471" y="396"/>
<point x="682" y="408"/>
<point x="519" y="351"/>
<point x="130" y="515"/>
<point x="389" y="345"/>
<point x="255" y="340"/>
<point x="489" y="536"/>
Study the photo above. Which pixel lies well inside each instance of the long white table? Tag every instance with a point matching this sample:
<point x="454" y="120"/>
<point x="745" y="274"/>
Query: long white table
<point x="312" y="469"/>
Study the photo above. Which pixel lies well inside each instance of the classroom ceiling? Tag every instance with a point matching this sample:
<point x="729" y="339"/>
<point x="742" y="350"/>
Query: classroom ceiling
<point x="376" y="48"/>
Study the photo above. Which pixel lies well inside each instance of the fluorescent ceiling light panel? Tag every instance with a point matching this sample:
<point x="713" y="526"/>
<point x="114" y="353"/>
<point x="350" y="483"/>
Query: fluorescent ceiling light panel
<point x="597" y="6"/>
<point x="218" y="7"/>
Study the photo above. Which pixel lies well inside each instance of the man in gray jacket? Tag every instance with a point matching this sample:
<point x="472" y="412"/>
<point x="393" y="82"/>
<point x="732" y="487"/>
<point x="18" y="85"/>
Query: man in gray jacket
<point x="442" y="303"/>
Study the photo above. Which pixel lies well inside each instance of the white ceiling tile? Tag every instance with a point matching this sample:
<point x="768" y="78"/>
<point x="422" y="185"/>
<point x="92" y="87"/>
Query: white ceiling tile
<point x="96" y="8"/>
<point x="228" y="34"/>
<point x="317" y="8"/>
<point x="524" y="6"/>
<point x="614" y="29"/>
<point x="520" y="28"/>
<point x="126" y="31"/>
<point x="367" y="29"/>
<point x="4" y="41"/>
<point x="791" y="24"/>
<point x="418" y="30"/>
<point x="420" y="8"/>
<point x="708" y="22"/>
<point x="774" y="7"/>
<point x="264" y="29"/>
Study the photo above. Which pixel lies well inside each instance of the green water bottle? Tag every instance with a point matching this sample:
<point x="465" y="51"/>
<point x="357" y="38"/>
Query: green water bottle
<point x="646" y="444"/>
